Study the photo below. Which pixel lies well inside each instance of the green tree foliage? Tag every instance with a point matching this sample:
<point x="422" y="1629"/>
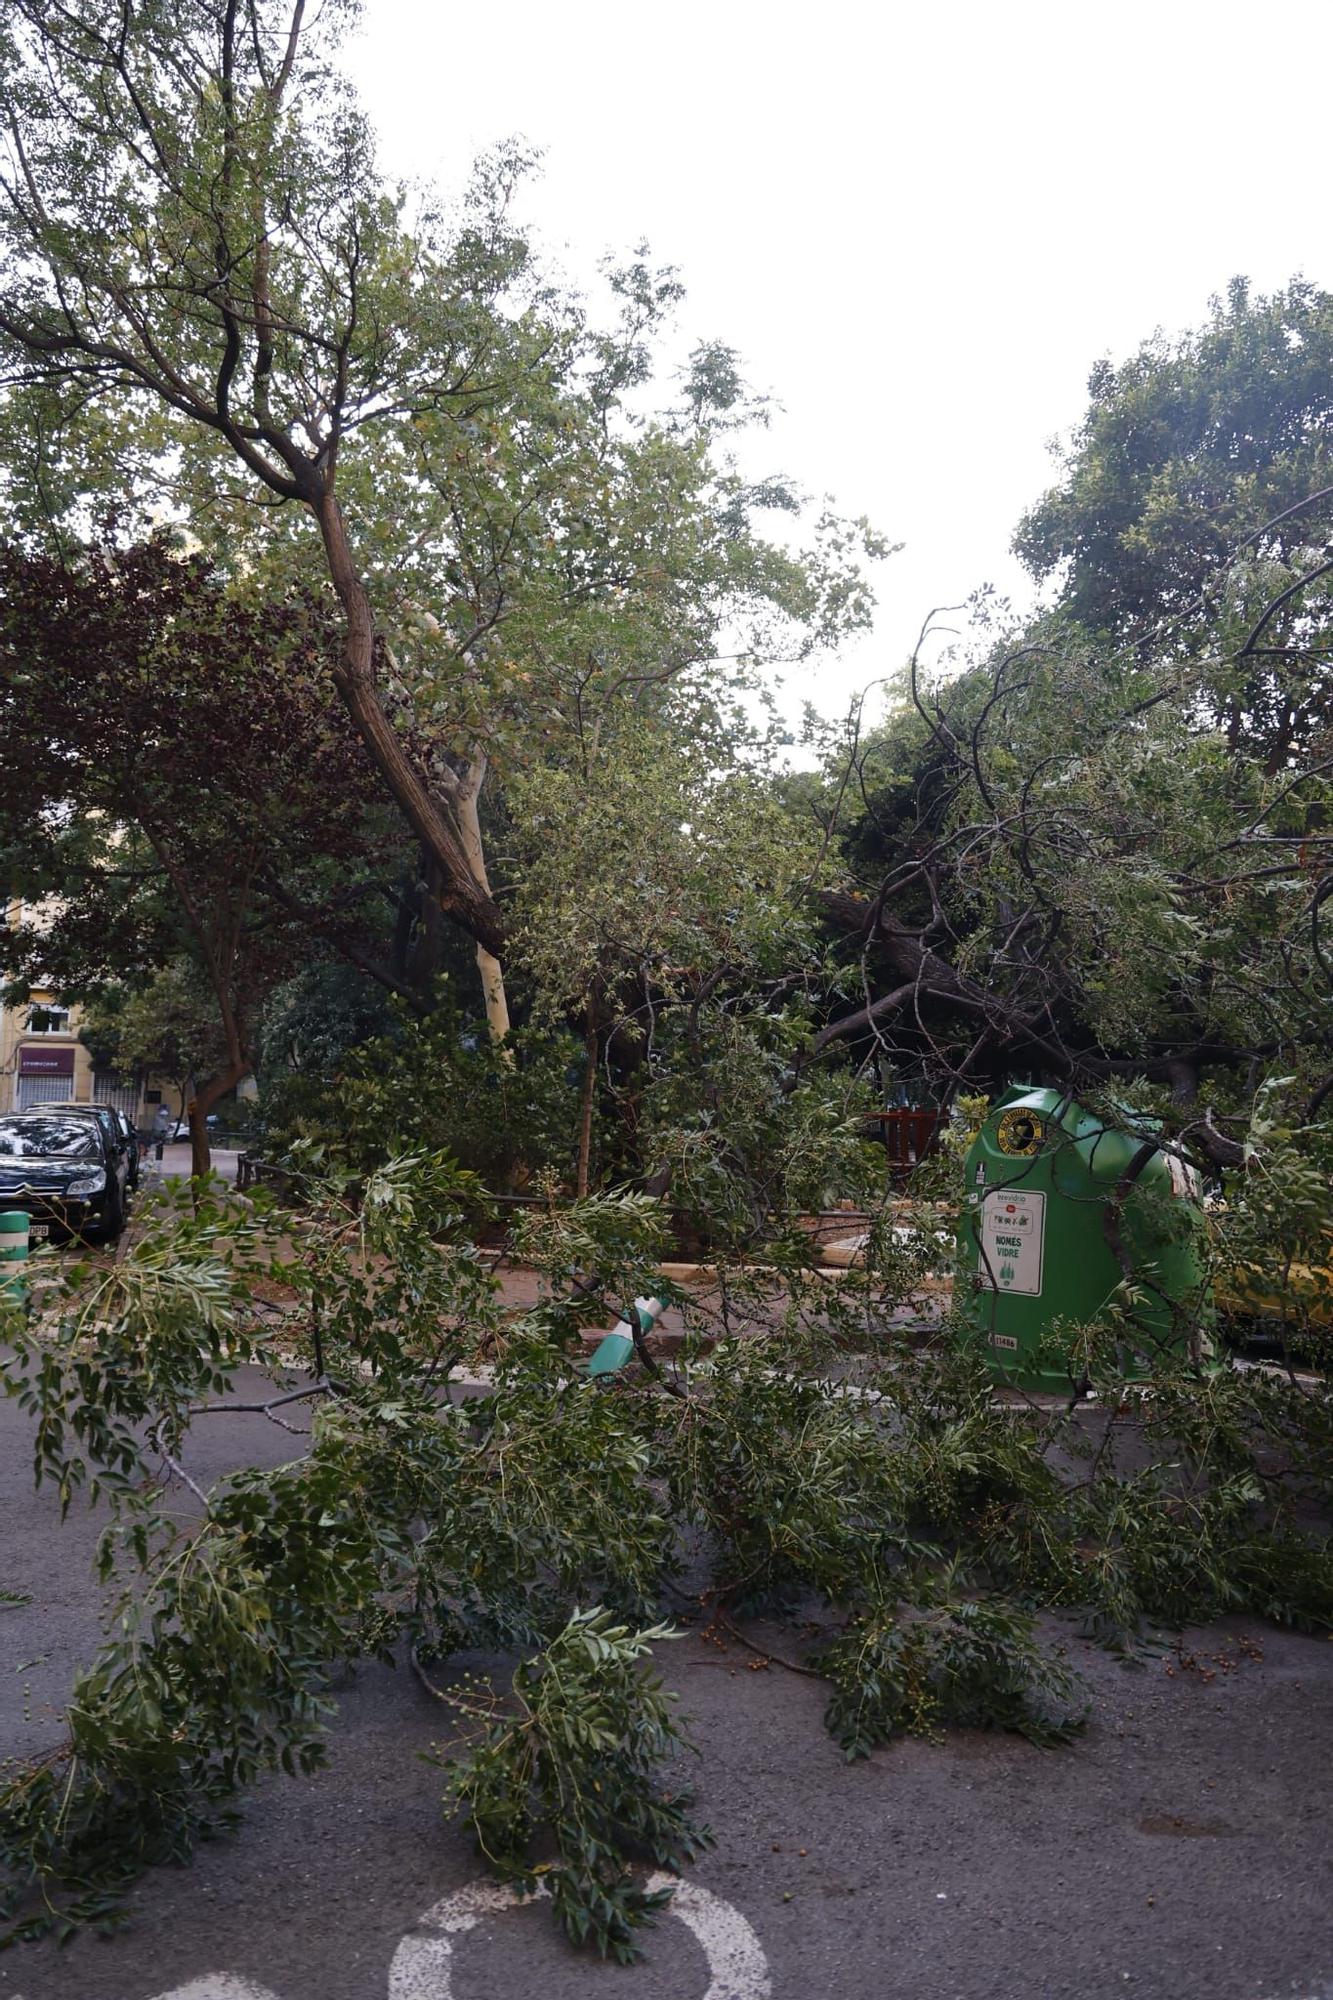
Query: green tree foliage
<point x="196" y="238"/>
<point x="1194" y="495"/>
<point x="201" y="251"/>
<point x="1065" y="872"/>
<point x="1095" y="852"/>
<point x="894" y="1498"/>
<point x="314" y="1020"/>
<point x="576" y="1763"/>
<point x="167" y="1028"/>
<point x="663" y="964"/>
<point x="1188" y="449"/>
<point x="664" y="904"/>
<point x="1052" y="861"/>
<point x="972" y="1663"/>
<point x="179" y="786"/>
<point x="434" y="1085"/>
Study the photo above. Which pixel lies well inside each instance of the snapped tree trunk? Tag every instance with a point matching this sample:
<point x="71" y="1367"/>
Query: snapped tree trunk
<point x="469" y="825"/>
<point x="355" y="679"/>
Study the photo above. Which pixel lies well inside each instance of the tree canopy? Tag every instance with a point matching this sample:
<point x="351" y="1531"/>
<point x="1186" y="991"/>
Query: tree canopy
<point x="1192" y="511"/>
<point x="178" y="782"/>
<point x="213" y="282"/>
<point x="450" y="625"/>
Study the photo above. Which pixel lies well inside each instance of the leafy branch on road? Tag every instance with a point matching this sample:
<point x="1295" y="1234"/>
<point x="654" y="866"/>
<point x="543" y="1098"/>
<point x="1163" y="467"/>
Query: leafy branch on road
<point x="881" y="1485"/>
<point x="573" y="1766"/>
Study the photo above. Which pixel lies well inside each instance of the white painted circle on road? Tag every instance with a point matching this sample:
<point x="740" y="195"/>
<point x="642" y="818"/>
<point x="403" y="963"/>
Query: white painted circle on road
<point x="219" y="1986"/>
<point x="422" y="1966"/>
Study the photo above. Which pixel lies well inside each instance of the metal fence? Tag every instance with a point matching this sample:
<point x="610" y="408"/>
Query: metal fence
<point x="908" y="1135"/>
<point x="120" y="1092"/>
<point x="31" y="1090"/>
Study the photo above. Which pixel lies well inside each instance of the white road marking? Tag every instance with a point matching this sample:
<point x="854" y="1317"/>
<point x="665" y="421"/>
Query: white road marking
<point x="422" y="1966"/>
<point x="219" y="1986"/>
<point x="736" y="1962"/>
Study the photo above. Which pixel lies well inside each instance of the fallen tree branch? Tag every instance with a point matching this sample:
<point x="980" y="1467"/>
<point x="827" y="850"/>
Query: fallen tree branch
<point x="321" y="1388"/>
<point x="728" y="1624"/>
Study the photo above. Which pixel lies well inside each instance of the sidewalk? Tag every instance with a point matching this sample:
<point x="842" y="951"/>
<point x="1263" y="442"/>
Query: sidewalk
<point x="175" y="1163"/>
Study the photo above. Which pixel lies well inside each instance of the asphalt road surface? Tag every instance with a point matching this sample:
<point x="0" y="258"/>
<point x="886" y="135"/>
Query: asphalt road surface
<point x="1181" y="1848"/>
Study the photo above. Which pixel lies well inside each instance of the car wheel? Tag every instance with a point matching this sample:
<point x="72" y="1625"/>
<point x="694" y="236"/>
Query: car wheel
<point x="115" y="1214"/>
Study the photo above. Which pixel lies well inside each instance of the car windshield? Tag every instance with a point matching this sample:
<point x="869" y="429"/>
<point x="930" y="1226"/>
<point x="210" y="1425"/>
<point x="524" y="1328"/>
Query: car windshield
<point x="49" y="1138"/>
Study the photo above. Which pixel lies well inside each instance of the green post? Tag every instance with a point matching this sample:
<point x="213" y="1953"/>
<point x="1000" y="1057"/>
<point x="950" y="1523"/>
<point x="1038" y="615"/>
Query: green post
<point x="618" y="1347"/>
<point x="14" y="1224"/>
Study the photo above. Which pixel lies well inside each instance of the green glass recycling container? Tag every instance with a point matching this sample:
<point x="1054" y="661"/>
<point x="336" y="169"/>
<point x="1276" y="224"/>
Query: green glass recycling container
<point x="1055" y="1199"/>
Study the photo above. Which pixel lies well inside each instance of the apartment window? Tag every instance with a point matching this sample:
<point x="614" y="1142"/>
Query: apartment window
<point x="48" y="1020"/>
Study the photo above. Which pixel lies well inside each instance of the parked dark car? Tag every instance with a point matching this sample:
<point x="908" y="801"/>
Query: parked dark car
<point x="119" y="1131"/>
<point x="130" y="1134"/>
<point x="62" y="1167"/>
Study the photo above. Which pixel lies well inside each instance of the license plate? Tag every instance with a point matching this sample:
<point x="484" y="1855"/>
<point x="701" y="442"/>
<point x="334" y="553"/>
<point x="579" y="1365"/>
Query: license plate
<point x="38" y="1232"/>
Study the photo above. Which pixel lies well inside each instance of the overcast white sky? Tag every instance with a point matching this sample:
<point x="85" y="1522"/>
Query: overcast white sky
<point x="920" y="225"/>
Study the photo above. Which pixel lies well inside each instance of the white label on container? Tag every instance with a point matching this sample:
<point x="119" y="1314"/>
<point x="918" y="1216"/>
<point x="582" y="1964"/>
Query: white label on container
<point x="1013" y="1225"/>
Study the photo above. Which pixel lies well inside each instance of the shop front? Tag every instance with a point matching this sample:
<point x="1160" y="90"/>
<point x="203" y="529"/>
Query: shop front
<point x="45" y="1075"/>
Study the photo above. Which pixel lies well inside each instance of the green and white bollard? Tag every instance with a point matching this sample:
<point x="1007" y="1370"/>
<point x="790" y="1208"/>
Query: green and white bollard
<point x="14" y="1226"/>
<point x="610" y="1357"/>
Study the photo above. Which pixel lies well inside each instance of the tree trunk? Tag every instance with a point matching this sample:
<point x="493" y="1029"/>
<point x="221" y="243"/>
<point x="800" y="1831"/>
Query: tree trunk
<point x="201" y="1103"/>
<point x="201" y="1156"/>
<point x="589" y="1096"/>
<point x="461" y="898"/>
<point x="493" y="993"/>
<point x="469" y="825"/>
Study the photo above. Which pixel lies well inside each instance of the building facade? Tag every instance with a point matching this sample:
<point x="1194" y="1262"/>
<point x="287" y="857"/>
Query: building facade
<point x="41" y="1057"/>
<point x="42" y="1060"/>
